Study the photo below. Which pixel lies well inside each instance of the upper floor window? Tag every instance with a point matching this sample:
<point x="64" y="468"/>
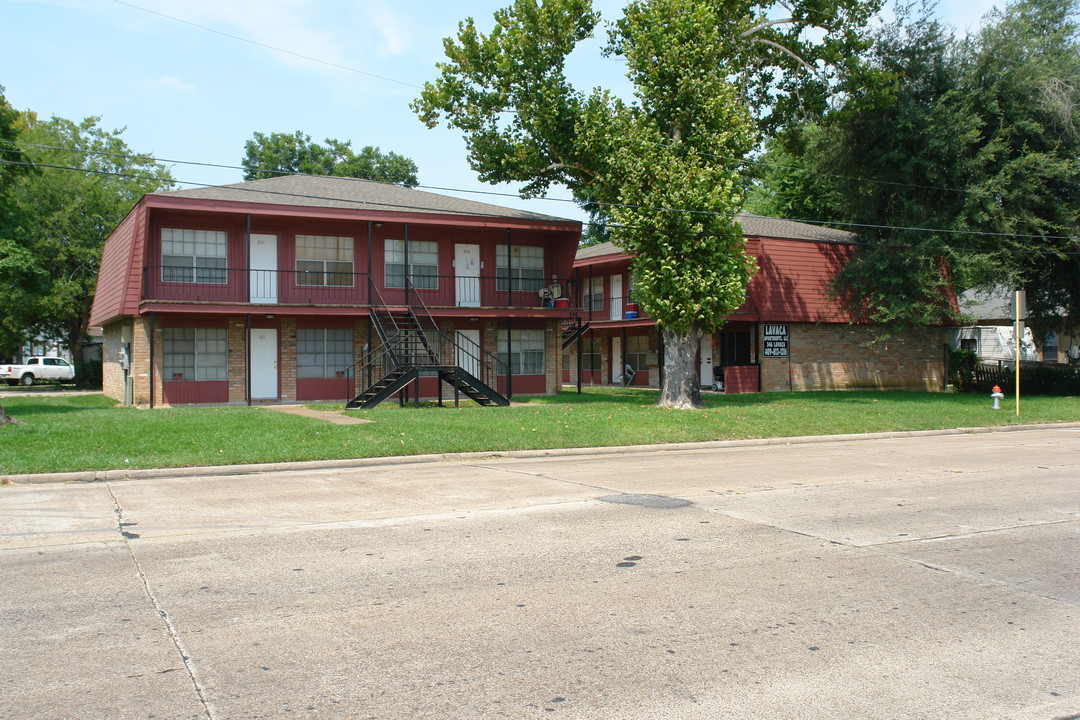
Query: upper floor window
<point x="594" y="294"/>
<point x="422" y="259"/>
<point x="324" y="260"/>
<point x="194" y="256"/>
<point x="522" y="268"/>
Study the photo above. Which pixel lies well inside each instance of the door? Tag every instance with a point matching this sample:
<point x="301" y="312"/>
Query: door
<point x="616" y="359"/>
<point x="264" y="364"/>
<point x="617" y="300"/>
<point x="262" y="270"/>
<point x="706" y="361"/>
<point x="467" y="274"/>
<point x="468" y="352"/>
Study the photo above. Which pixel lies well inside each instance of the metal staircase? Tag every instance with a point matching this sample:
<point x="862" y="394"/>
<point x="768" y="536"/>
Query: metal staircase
<point x="413" y="347"/>
<point x="572" y="330"/>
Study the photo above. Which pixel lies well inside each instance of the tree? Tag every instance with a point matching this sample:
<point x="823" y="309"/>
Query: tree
<point x="1022" y="77"/>
<point x="977" y="141"/>
<point x="83" y="180"/>
<point x="11" y="259"/>
<point x="283" y="154"/>
<point x="708" y="77"/>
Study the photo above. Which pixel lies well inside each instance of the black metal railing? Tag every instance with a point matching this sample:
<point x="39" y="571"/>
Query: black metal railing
<point x="245" y="285"/>
<point x="598" y="308"/>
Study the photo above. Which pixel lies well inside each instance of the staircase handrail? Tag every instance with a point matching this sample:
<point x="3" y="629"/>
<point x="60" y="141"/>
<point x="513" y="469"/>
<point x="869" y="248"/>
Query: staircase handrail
<point x="491" y="365"/>
<point x="420" y="317"/>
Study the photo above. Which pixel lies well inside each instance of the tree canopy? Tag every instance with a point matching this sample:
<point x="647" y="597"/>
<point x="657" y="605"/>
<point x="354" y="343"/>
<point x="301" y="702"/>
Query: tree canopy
<point x="80" y="182"/>
<point x="284" y="154"/>
<point x="660" y="167"/>
<point x="975" y="140"/>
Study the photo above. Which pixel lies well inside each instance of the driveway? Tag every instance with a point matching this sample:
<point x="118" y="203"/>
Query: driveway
<point x="906" y="577"/>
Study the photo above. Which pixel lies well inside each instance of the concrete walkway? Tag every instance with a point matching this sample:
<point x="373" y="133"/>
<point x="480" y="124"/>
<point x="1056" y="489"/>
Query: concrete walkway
<point x="335" y="418"/>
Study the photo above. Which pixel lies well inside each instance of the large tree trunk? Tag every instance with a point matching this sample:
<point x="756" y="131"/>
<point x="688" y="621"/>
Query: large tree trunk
<point x="681" y="388"/>
<point x="5" y="418"/>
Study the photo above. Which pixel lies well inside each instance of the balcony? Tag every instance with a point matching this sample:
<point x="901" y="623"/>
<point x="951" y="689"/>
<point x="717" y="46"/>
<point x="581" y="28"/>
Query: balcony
<point x="290" y="287"/>
<point x="598" y="309"/>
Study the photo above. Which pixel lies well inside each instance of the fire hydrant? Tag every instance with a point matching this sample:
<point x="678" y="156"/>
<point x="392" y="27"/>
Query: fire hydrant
<point x="996" y="395"/>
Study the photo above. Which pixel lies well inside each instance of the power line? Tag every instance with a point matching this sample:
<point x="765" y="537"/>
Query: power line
<point x="493" y="193"/>
<point x="263" y="191"/>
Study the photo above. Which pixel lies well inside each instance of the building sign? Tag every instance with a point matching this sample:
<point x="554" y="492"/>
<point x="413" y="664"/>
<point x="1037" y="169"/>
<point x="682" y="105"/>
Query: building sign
<point x="775" y="340"/>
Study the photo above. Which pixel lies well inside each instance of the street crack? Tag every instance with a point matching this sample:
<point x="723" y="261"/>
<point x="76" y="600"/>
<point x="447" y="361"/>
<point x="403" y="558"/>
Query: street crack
<point x="170" y="628"/>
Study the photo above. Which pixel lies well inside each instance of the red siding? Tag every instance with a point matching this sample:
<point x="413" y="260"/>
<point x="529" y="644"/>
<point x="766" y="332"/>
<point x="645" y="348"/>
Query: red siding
<point x="742" y="378"/>
<point x="185" y="392"/>
<point x="791" y="284"/>
<point x="120" y="277"/>
<point x="324" y="389"/>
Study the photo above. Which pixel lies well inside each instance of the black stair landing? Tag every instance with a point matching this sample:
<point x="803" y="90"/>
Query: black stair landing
<point x="457" y="377"/>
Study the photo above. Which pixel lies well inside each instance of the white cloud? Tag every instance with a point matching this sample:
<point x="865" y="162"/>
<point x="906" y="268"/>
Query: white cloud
<point x="392" y="28"/>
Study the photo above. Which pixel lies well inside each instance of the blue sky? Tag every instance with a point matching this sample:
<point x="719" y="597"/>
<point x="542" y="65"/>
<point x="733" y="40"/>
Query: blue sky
<point x="188" y="94"/>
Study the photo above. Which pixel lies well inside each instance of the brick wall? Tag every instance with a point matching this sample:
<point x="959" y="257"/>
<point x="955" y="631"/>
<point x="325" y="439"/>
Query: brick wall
<point x="112" y="374"/>
<point x="237" y="361"/>
<point x="845" y="357"/>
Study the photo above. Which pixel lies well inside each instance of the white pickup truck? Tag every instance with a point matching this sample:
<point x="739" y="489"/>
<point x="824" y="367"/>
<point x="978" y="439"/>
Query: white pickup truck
<point x="38" y="368"/>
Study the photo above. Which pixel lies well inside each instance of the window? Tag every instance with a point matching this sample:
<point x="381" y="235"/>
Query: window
<point x="324" y="260"/>
<point x="194" y="256"/>
<point x="1050" y="347"/>
<point x="526" y="353"/>
<point x="735" y="348"/>
<point x="590" y="353"/>
<point x="194" y="354"/>
<point x="594" y="294"/>
<point x="524" y="271"/>
<point x="638" y="355"/>
<point x="423" y="261"/>
<point x="323" y="353"/>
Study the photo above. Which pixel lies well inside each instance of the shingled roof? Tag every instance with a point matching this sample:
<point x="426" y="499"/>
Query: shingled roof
<point x="753" y="226"/>
<point x="352" y="194"/>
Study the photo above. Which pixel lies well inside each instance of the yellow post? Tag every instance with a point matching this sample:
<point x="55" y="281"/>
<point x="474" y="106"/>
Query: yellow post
<point x="1017" y="332"/>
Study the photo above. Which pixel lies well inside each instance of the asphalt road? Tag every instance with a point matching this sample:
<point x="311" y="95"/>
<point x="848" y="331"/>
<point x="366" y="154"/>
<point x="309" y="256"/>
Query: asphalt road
<point x="913" y="577"/>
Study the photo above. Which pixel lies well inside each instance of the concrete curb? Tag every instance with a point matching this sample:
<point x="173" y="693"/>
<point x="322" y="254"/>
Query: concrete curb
<point x="91" y="476"/>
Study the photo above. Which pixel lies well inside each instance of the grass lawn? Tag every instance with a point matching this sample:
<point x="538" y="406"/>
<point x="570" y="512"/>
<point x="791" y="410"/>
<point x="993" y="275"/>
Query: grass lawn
<point x="89" y="433"/>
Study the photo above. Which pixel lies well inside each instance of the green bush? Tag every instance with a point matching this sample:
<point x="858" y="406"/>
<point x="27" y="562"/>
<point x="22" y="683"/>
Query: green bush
<point x="962" y="364"/>
<point x="87" y="374"/>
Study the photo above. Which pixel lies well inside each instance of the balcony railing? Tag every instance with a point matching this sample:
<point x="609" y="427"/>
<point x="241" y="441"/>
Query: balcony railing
<point x="289" y="287"/>
<point x="597" y="308"/>
<point x="234" y="285"/>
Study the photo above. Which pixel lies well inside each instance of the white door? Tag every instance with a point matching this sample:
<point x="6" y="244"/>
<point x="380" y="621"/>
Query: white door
<point x="264" y="364"/>
<point x="467" y="274"/>
<point x="617" y="300"/>
<point x="616" y="359"/>
<point x="262" y="272"/>
<point x="468" y="352"/>
<point x="706" y="360"/>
